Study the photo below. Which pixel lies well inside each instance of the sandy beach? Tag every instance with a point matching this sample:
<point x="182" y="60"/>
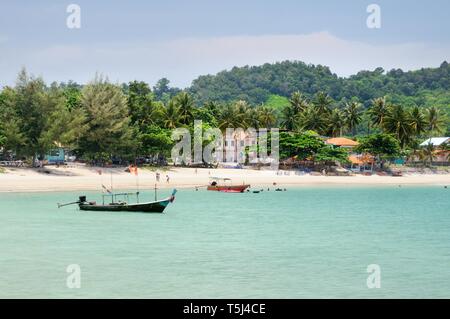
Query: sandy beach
<point x="88" y="178"/>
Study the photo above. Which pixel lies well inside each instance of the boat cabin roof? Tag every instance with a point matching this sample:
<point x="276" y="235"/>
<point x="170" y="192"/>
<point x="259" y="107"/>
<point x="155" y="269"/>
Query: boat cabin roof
<point x="120" y="194"/>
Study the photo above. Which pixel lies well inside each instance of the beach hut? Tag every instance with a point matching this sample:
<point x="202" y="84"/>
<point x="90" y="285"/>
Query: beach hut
<point x="361" y="162"/>
<point x="56" y="156"/>
<point x="342" y="142"/>
<point x="439" y="146"/>
<point x="441" y="156"/>
<point x="436" y="141"/>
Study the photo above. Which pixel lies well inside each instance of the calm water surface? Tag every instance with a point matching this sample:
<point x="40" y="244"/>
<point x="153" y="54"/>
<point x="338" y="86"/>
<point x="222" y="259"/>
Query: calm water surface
<point x="306" y="242"/>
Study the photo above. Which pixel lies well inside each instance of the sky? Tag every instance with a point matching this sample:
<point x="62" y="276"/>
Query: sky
<point x="182" y="39"/>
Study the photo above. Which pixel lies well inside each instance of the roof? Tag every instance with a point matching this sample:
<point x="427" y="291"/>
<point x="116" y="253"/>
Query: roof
<point x="341" y="141"/>
<point x="441" y="152"/>
<point x="436" y="141"/>
<point x="360" y="159"/>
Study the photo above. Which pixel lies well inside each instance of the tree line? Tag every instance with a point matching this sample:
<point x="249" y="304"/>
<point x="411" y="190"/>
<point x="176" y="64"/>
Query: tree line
<point x="101" y="120"/>
<point x="256" y="84"/>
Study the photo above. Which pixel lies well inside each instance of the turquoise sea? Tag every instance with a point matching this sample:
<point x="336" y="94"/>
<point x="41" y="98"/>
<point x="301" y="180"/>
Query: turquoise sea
<point x="309" y="242"/>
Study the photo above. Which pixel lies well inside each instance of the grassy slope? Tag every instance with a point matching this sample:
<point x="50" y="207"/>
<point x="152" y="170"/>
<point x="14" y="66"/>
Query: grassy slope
<point x="277" y="102"/>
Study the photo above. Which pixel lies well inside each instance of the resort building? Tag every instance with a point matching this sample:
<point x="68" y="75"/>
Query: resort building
<point x="234" y="146"/>
<point x="358" y="162"/>
<point x="441" y="157"/>
<point x="440" y="150"/>
<point x="361" y="162"/>
<point x="436" y="141"/>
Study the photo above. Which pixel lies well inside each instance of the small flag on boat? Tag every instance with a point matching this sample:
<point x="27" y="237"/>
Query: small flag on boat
<point x="133" y="169"/>
<point x="106" y="189"/>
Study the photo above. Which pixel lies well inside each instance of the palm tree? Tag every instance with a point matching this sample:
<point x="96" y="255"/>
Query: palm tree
<point x="253" y="118"/>
<point x="298" y="102"/>
<point x="151" y="113"/>
<point x="238" y="115"/>
<point x="228" y="117"/>
<point x="185" y="104"/>
<point x="378" y="111"/>
<point x="427" y="153"/>
<point x="289" y="118"/>
<point x="436" y="121"/>
<point x="446" y="148"/>
<point x="290" y="114"/>
<point x="353" y="113"/>
<point x="171" y="115"/>
<point x="336" y="122"/>
<point x="322" y="102"/>
<point x="418" y="122"/>
<point x="312" y="119"/>
<point x="267" y="117"/>
<point x="415" y="150"/>
<point x="212" y="107"/>
<point x="243" y="114"/>
<point x="398" y="122"/>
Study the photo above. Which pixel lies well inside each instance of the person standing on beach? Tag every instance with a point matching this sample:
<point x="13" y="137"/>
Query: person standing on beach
<point x="167" y="178"/>
<point x="157" y="177"/>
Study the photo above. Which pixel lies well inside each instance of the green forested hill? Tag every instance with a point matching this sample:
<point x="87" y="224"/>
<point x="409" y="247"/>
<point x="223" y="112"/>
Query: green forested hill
<point x="260" y="84"/>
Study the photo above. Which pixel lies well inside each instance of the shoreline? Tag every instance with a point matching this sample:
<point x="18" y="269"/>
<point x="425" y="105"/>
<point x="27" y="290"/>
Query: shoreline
<point x="53" y="179"/>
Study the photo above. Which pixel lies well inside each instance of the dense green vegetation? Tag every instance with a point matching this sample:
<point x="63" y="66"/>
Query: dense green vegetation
<point x="100" y="121"/>
<point x="256" y="84"/>
<point x="271" y="84"/>
<point x="308" y="146"/>
<point x="379" y="145"/>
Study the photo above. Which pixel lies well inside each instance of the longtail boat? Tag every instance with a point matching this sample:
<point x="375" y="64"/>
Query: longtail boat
<point x="117" y="205"/>
<point x="220" y="185"/>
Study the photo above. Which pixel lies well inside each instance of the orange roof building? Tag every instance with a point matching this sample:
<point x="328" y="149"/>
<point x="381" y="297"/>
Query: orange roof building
<point x="341" y="142"/>
<point x="361" y="159"/>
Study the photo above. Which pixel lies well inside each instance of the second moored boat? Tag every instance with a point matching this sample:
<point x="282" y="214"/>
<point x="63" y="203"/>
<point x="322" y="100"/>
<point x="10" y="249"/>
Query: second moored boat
<point x="224" y="185"/>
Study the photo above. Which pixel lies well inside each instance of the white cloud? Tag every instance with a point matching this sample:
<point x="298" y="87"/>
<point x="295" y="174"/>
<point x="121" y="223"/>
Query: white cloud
<point x="344" y="57"/>
<point x="184" y="59"/>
